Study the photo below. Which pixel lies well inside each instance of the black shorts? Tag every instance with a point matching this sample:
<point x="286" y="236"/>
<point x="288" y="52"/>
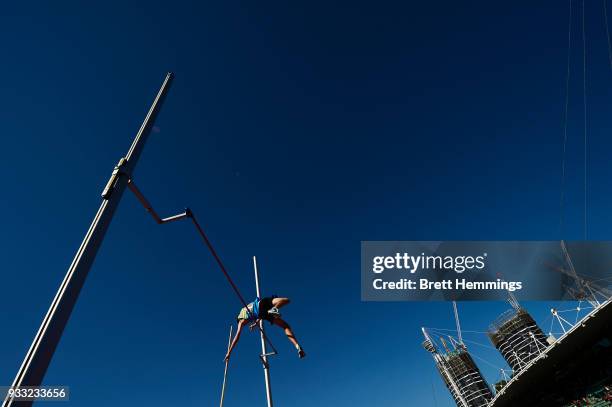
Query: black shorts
<point x="265" y="305"/>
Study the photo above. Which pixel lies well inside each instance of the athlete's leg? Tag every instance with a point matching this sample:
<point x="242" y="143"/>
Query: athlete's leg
<point x="280" y="302"/>
<point x="285" y="326"/>
<point x="290" y="335"/>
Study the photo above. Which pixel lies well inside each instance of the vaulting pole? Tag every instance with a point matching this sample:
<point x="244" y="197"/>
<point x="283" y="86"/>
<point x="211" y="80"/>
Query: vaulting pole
<point x="264" y="353"/>
<point x="38" y="357"/>
<point x="229" y="342"/>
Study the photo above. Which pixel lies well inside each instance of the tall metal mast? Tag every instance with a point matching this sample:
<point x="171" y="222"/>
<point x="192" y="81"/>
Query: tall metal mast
<point x="457" y="322"/>
<point x="41" y="351"/>
<point x="264" y="354"/>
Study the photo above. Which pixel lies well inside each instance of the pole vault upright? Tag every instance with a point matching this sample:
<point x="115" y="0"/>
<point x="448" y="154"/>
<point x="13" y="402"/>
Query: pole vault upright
<point x="41" y="351"/>
<point x="229" y="342"/>
<point x="264" y="353"/>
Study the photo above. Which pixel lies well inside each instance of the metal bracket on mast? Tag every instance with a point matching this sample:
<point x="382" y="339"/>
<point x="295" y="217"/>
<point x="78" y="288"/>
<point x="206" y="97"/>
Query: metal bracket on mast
<point x="117" y="172"/>
<point x="264" y="358"/>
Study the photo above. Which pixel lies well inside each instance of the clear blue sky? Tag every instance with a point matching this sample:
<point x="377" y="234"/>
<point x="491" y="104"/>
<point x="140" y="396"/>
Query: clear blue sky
<point x="294" y="130"/>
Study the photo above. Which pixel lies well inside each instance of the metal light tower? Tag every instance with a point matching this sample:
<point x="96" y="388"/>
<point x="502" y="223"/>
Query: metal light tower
<point x="41" y="351"/>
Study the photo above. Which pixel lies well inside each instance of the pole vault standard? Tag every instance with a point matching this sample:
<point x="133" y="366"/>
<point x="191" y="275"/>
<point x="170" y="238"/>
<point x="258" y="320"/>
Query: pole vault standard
<point x="36" y="362"/>
<point x="264" y="354"/>
<point x="229" y="342"/>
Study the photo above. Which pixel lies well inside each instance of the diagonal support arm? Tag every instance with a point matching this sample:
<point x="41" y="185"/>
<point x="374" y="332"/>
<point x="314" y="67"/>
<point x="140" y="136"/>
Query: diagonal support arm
<point x="132" y="186"/>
